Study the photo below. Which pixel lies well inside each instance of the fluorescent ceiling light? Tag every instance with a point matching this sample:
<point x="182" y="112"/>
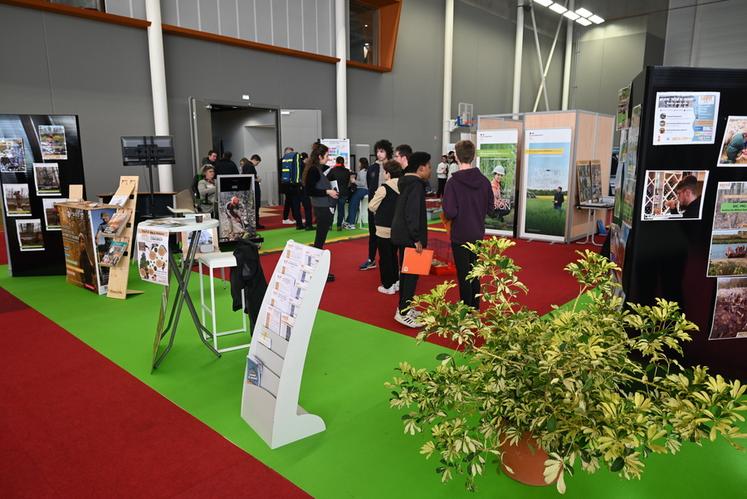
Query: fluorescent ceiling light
<point x="556" y="7"/>
<point x="571" y="15"/>
<point x="583" y="22"/>
<point x="583" y="12"/>
<point x="596" y="19"/>
<point x="544" y="3"/>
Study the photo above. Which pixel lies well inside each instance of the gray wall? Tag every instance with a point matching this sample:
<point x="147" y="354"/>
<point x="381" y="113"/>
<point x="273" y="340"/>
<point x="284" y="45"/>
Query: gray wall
<point x="53" y="66"/>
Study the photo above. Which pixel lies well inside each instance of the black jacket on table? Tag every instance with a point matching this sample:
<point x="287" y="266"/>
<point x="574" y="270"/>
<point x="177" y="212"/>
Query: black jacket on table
<point x="249" y="278"/>
<point x="410" y="223"/>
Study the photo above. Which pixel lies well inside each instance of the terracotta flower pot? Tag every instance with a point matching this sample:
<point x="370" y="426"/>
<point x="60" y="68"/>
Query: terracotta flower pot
<point x="526" y="459"/>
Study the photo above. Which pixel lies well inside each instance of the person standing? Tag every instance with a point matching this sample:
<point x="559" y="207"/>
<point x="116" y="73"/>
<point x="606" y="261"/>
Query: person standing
<point x="442" y="172"/>
<point x="323" y="196"/>
<point x="305" y="199"/>
<point x="558" y="198"/>
<point x="225" y="166"/>
<point x="341" y="176"/>
<point x="361" y="191"/>
<point x="410" y="229"/>
<point x="383" y="205"/>
<point x="290" y="183"/>
<point x="467" y="200"/>
<point x="453" y="165"/>
<point x="374" y="179"/>
<point x="249" y="167"/>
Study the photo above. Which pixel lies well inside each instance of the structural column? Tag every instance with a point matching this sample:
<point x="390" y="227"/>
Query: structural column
<point x="568" y="59"/>
<point x="448" y="56"/>
<point x="341" y="53"/>
<point x="158" y="85"/>
<point x="518" y="52"/>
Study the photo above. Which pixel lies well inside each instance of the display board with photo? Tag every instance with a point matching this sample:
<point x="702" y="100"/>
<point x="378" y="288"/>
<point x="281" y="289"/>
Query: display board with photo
<point x="623" y="104"/>
<point x="236" y="213"/>
<point x="733" y="150"/>
<point x="51" y="214"/>
<point x="496" y="158"/>
<point x="30" y="236"/>
<point x="52" y="142"/>
<point x="47" y="179"/>
<point x="338" y="147"/>
<point x="673" y="195"/>
<point x="12" y="158"/>
<point x="727" y="255"/>
<point x="17" y="201"/>
<point x="79" y="247"/>
<point x="730" y="311"/>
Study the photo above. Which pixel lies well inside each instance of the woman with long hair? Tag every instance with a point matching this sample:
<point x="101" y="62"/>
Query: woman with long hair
<point x="323" y="196"/>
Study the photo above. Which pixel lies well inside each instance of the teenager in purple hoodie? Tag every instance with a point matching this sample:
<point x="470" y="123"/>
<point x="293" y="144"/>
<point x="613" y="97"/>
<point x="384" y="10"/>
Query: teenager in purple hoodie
<point x="468" y="199"/>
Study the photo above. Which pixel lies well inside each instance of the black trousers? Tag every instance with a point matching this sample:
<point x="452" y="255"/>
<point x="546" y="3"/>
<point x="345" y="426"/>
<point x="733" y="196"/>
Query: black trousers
<point x="257" y="201"/>
<point x="464" y="259"/>
<point x="293" y="199"/>
<point x="323" y="223"/>
<point x="286" y="206"/>
<point x="371" y="236"/>
<point x="441" y="187"/>
<point x="306" y="203"/>
<point x="408" y="283"/>
<point x="388" y="261"/>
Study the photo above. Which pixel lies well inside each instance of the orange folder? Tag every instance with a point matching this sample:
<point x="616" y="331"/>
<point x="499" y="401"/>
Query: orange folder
<point x="417" y="263"/>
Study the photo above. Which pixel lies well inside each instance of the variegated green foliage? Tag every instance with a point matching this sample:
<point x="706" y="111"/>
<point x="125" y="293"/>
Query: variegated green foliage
<point x="598" y="385"/>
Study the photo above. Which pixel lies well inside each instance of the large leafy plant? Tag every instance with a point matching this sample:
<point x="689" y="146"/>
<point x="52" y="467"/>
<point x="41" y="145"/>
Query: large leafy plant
<point x="595" y="385"/>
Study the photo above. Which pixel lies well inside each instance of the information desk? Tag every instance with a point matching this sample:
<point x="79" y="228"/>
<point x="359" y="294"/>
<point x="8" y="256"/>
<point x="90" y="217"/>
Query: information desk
<point x="181" y="273"/>
<point x="591" y="210"/>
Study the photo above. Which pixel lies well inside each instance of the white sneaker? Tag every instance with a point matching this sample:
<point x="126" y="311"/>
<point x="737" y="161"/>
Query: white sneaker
<point x="387" y="291"/>
<point x="396" y="287"/>
<point x="407" y="320"/>
<point x="288" y="222"/>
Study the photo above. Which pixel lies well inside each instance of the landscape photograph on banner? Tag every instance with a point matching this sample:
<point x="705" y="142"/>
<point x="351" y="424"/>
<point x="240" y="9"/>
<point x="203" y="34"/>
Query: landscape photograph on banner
<point x="682" y="118"/>
<point x="547" y="157"/>
<point x="730" y="311"/>
<point x="733" y="150"/>
<point x="728" y="252"/>
<point x="17" y="201"/>
<point x="673" y="195"/>
<point x="496" y="159"/>
<point x="30" y="236"/>
<point x="51" y="214"/>
<point x="52" y="142"/>
<point x="236" y="213"/>
<point x="11" y="156"/>
<point x="47" y="179"/>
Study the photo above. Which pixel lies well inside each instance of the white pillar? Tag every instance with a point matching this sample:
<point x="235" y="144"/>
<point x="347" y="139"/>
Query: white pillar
<point x="518" y="51"/>
<point x="448" y="56"/>
<point x="158" y="85"/>
<point x="568" y="59"/>
<point x="341" y="53"/>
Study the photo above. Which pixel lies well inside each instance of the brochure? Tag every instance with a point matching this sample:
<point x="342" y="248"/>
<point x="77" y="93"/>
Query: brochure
<point x="115" y="253"/>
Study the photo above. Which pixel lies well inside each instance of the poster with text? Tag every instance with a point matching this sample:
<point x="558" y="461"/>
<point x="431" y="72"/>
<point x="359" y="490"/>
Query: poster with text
<point x="730" y="311"/>
<point x="728" y="251"/>
<point x="80" y="250"/>
<point x="153" y="255"/>
<point x="623" y="104"/>
<point x="17" y="201"/>
<point x="11" y="156"/>
<point x="236" y="213"/>
<point x="51" y="214"/>
<point x="52" y="142"/>
<point x="338" y="147"/>
<point x="673" y="195"/>
<point x="547" y="155"/>
<point x="733" y="150"/>
<point x="99" y="221"/>
<point x="30" y="237"/>
<point x="47" y="179"/>
<point x="496" y="159"/>
<point x="685" y="118"/>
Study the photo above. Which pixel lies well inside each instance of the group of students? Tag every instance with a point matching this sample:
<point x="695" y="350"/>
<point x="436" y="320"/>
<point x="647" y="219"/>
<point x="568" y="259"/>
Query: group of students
<point x="396" y="185"/>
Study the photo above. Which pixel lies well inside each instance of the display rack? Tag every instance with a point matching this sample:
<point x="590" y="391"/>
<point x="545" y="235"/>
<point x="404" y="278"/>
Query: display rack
<point x="119" y="274"/>
<point x="272" y="380"/>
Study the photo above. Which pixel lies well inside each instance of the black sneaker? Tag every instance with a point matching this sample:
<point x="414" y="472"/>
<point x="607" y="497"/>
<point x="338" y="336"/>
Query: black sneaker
<point x="330" y="277"/>
<point x="311" y="228"/>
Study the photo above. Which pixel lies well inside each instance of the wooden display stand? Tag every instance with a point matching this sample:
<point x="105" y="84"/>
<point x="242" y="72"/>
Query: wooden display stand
<point x="119" y="274"/>
<point x="592" y="136"/>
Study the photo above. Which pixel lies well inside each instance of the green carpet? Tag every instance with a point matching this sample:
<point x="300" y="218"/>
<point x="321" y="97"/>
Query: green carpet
<point x="275" y="239"/>
<point x="363" y="453"/>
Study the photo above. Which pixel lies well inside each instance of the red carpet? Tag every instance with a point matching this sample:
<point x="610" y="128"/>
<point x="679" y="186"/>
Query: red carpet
<point x="76" y="425"/>
<point x="354" y="294"/>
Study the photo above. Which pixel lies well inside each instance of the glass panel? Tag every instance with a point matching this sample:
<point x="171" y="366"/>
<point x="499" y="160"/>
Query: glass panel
<point x="364" y="28"/>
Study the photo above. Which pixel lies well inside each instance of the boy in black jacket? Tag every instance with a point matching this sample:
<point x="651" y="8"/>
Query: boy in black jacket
<point x="410" y="228"/>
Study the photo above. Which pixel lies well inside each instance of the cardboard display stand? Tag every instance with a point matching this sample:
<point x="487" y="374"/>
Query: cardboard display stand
<point x="272" y="380"/>
<point x="119" y="274"/>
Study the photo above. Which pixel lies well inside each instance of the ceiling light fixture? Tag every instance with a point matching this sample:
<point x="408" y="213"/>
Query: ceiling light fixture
<point x="556" y="7"/>
<point x="596" y="19"/>
<point x="544" y="3"/>
<point x="583" y="12"/>
<point x="583" y="22"/>
<point x="571" y="15"/>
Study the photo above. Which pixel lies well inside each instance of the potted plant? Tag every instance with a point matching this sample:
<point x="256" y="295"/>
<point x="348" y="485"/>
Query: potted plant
<point x="583" y="387"/>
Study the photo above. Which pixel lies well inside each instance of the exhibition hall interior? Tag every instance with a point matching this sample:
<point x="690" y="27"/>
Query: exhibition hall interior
<point x="373" y="248"/>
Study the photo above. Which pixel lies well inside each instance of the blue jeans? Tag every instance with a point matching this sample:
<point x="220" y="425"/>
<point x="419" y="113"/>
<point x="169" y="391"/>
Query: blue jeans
<point x="355" y="204"/>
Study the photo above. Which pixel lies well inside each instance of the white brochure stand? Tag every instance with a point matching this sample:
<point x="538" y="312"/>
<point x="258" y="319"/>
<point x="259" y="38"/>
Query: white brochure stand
<point x="272" y="379"/>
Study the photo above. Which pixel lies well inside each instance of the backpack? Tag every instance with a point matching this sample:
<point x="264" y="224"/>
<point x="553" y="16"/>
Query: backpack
<point x="289" y="170"/>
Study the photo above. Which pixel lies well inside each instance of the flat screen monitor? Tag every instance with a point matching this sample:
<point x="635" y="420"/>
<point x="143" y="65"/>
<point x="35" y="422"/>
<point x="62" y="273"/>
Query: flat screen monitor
<point x="142" y="150"/>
